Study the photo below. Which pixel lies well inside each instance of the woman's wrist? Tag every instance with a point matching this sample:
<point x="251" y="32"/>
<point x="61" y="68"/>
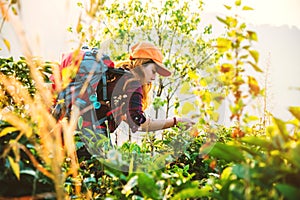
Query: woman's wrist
<point x="174" y="121"/>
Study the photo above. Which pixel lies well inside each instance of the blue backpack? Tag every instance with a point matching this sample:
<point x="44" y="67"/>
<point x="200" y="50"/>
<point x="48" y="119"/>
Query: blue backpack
<point x="82" y="92"/>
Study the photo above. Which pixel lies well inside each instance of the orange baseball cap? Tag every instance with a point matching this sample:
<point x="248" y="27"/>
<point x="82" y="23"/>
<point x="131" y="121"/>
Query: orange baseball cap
<point x="150" y="51"/>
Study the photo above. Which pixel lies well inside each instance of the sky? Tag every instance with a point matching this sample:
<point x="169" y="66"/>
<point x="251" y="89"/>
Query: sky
<point x="45" y="24"/>
<point x="272" y="12"/>
<point x="277" y="24"/>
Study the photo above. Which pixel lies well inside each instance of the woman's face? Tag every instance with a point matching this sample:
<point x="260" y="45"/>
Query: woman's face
<point x="150" y="72"/>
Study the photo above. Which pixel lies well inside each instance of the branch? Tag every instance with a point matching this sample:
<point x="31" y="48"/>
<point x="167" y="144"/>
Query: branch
<point x="35" y="163"/>
<point x="4" y="11"/>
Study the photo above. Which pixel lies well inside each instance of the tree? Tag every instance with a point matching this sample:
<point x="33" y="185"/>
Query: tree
<point x="173" y="25"/>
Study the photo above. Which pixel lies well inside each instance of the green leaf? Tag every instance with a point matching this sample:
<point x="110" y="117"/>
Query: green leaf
<point x="15" y="167"/>
<point x="29" y="172"/>
<point x="240" y="171"/>
<point x="79" y="145"/>
<point x="147" y="186"/>
<point x="159" y="161"/>
<point x="193" y="193"/>
<point x="226" y="174"/>
<point x="288" y="191"/>
<point x="127" y="189"/>
<point x="295" y="110"/>
<point x="281" y="126"/>
<point x="257" y="141"/>
<point x="89" y="180"/>
<point x="293" y="155"/>
<point x="227" y="152"/>
<point x="80" y="122"/>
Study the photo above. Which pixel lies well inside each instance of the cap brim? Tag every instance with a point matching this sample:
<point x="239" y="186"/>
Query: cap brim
<point x="161" y="70"/>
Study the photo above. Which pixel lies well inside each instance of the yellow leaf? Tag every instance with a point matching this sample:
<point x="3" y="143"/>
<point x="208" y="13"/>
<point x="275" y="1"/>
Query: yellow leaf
<point x="232" y="21"/>
<point x="238" y="2"/>
<point x="79" y="25"/>
<point x="226" y="67"/>
<point x="215" y="116"/>
<point x="252" y="35"/>
<point x="185" y="88"/>
<point x="223" y="20"/>
<point x="67" y="74"/>
<point x="7" y="43"/>
<point x="217" y="99"/>
<point x="295" y="111"/>
<point x="254" y="54"/>
<point x="193" y="75"/>
<point x="61" y="101"/>
<point x="253" y="85"/>
<point x="14" y="10"/>
<point x="15" y="167"/>
<point x="206" y="96"/>
<point x="7" y="130"/>
<point x="227" y="7"/>
<point x="247" y="8"/>
<point x="203" y="82"/>
<point x="29" y="133"/>
<point x="255" y="67"/>
<point x="187" y="107"/>
<point x="223" y="44"/>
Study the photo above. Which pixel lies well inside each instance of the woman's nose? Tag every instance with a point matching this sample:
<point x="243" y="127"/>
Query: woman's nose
<point x="153" y="76"/>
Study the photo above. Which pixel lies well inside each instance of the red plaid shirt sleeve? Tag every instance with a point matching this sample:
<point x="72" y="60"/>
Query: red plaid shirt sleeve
<point x="135" y="114"/>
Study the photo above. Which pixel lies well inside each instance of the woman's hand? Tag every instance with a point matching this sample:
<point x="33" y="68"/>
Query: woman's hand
<point x="186" y="122"/>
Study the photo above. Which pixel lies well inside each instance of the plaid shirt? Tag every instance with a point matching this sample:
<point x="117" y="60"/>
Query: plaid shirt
<point x="135" y="111"/>
<point x="125" y="104"/>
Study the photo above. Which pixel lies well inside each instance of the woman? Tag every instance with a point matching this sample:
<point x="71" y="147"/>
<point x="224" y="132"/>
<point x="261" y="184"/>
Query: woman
<point x="145" y="62"/>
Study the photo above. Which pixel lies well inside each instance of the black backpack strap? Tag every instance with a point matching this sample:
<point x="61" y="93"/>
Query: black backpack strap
<point x="100" y="121"/>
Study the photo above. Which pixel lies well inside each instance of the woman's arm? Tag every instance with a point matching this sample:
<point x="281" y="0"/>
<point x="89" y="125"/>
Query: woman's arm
<point x="160" y="124"/>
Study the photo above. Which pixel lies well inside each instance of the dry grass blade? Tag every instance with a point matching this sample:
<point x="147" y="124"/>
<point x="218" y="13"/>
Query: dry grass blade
<point x="16" y="90"/>
<point x="43" y="90"/>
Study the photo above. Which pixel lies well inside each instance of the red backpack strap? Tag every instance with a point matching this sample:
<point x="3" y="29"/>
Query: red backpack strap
<point x="67" y="60"/>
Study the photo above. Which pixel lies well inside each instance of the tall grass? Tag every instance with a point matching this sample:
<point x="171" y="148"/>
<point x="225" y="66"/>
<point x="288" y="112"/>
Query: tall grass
<point x="53" y="140"/>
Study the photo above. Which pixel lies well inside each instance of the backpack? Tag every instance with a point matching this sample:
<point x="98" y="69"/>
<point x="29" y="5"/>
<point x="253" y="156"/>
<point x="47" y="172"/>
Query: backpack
<point x="91" y="77"/>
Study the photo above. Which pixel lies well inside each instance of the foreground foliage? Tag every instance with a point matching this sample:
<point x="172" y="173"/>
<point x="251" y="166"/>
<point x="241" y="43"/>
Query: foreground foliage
<point x="216" y="165"/>
<point x="249" y="159"/>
